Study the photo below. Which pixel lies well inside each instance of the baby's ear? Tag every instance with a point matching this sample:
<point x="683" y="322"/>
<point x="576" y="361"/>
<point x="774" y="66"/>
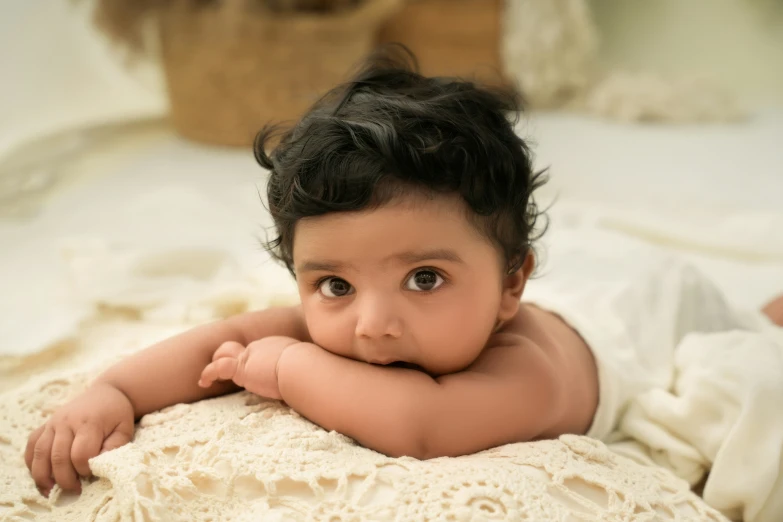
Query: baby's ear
<point x="513" y="287"/>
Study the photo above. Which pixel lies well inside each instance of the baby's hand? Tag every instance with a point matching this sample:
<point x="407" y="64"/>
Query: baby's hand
<point x="254" y="367"/>
<point x="59" y="451"/>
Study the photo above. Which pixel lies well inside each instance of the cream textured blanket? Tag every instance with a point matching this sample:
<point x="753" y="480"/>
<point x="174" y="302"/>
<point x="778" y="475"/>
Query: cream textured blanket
<point x="242" y="458"/>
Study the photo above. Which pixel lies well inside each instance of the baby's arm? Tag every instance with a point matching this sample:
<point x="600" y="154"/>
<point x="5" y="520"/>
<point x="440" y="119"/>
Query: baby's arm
<point x="512" y="393"/>
<point x="167" y="373"/>
<point x="102" y="418"/>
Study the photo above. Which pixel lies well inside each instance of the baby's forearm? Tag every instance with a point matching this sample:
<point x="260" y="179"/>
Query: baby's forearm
<point x="512" y="394"/>
<point x="167" y="373"/>
<point x="377" y="406"/>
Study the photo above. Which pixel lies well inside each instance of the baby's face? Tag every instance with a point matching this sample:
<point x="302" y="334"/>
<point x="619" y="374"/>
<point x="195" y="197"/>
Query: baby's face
<point x="410" y="282"/>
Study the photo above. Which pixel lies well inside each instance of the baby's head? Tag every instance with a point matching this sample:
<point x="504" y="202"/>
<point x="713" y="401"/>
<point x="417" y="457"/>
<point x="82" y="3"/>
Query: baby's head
<point x="403" y="207"/>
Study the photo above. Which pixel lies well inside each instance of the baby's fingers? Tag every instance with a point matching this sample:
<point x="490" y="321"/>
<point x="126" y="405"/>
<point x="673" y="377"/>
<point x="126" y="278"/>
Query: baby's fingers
<point x="62" y="467"/>
<point x="86" y="445"/>
<point x="30" y="448"/>
<point x="116" y="439"/>
<point x="222" y="369"/>
<point x="41" y="468"/>
<point x="231" y="349"/>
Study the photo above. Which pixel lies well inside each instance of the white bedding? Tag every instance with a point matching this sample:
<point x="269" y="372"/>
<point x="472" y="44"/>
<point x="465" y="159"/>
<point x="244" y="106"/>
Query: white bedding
<point x="721" y="416"/>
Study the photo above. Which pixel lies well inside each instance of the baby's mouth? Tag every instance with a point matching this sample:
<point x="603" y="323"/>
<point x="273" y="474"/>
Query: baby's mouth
<point x="397" y="364"/>
<point x="406" y="365"/>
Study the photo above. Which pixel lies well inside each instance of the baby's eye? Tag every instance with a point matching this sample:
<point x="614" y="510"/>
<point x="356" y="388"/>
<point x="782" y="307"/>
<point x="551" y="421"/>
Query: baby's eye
<point x="335" y="287"/>
<point x="423" y="281"/>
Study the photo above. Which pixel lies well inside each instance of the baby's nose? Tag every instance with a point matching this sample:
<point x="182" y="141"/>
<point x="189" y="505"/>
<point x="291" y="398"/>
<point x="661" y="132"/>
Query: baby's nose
<point x="377" y="319"/>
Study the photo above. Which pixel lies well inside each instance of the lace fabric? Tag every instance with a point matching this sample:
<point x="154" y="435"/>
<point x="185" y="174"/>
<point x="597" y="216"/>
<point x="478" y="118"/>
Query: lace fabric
<point x="243" y="458"/>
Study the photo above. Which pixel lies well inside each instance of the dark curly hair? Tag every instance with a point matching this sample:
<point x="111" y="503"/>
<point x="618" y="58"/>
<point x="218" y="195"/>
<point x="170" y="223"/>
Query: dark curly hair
<point x="389" y="132"/>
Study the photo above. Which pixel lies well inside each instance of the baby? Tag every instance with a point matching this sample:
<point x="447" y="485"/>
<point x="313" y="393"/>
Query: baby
<point x="404" y="209"/>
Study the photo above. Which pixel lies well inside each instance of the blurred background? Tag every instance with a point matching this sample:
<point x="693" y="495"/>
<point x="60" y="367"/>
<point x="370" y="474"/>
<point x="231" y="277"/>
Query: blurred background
<point x="129" y="197"/>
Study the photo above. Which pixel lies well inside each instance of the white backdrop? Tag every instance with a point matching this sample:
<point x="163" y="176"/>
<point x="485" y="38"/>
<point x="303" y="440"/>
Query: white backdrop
<point x="59" y="73"/>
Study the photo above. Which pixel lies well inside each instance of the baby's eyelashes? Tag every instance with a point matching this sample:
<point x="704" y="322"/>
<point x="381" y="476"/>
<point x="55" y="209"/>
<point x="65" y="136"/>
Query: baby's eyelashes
<point x="424" y="280"/>
<point x="420" y="280"/>
<point x="335" y="287"/>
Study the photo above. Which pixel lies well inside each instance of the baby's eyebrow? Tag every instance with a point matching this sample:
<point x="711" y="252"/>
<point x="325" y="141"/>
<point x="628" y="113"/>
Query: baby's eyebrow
<point x="409" y="257"/>
<point x="322" y="266"/>
<point x="419" y="256"/>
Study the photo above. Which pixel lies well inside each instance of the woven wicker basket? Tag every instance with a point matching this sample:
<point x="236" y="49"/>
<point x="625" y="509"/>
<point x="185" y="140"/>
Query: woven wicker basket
<point x="451" y="37"/>
<point x="231" y="67"/>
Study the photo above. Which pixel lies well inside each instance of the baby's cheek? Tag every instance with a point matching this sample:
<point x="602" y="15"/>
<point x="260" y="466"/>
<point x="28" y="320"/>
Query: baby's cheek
<point x="461" y="346"/>
<point x="330" y="335"/>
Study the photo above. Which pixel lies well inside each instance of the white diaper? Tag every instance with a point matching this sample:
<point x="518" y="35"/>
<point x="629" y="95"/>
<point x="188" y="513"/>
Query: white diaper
<point x="633" y="304"/>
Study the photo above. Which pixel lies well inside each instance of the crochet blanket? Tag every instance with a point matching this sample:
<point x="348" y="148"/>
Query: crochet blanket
<point x="239" y="457"/>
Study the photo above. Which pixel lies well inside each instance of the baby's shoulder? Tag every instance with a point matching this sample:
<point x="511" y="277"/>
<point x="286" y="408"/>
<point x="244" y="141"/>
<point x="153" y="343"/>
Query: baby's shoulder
<point x="510" y="338"/>
<point x="526" y="329"/>
<point x="513" y="341"/>
<point x="535" y="329"/>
